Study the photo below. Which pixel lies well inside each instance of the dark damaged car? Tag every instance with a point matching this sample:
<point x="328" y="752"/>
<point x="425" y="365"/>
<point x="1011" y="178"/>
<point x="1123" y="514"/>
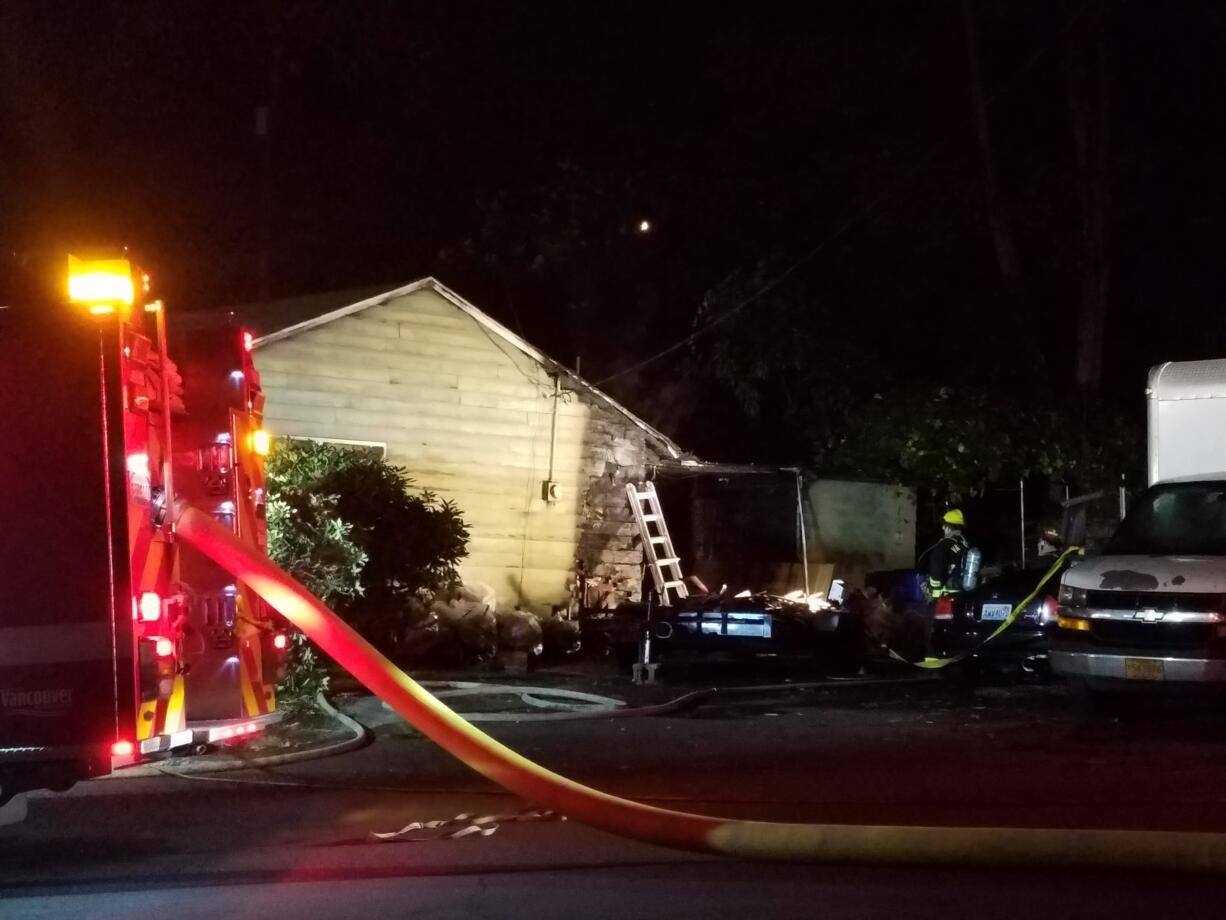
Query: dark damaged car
<point x="964" y="622"/>
<point x="741" y="629"/>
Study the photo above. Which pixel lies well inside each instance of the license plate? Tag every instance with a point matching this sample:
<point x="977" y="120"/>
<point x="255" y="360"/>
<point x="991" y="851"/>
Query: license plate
<point x="1143" y="669"/>
<point x="995" y="612"/>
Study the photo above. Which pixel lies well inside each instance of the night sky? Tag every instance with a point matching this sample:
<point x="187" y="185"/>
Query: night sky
<point x="513" y="149"/>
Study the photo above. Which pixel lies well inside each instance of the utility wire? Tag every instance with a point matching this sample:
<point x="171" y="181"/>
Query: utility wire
<point x="863" y="214"/>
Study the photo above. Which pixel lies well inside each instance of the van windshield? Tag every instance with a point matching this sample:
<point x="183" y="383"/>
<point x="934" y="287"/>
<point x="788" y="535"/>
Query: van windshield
<point x="1177" y="519"/>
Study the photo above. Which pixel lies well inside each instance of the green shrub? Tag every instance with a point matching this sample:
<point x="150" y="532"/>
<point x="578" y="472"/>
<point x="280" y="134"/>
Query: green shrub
<point x="345" y="521"/>
<point x="308" y="539"/>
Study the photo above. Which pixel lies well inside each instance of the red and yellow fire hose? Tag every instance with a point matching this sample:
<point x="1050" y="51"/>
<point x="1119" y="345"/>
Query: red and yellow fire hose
<point x="823" y="843"/>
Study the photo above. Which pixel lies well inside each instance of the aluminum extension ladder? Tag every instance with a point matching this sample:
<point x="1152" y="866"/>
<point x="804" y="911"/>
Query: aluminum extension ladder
<point x="658" y="550"/>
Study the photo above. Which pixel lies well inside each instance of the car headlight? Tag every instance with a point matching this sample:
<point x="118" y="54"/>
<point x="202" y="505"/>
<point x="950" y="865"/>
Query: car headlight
<point x="1071" y="597"/>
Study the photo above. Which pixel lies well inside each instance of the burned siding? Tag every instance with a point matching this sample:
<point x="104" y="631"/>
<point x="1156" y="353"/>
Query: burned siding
<point x="610" y="557"/>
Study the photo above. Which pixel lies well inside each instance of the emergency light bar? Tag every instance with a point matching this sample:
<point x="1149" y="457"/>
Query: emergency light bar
<point x="100" y="282"/>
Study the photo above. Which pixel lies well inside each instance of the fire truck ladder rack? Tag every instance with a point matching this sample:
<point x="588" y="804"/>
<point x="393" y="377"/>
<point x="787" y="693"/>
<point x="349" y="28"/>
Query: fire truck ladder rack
<point x="658" y="550"/>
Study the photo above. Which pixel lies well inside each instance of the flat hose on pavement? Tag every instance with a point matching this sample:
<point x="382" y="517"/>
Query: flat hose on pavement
<point x="824" y="843"/>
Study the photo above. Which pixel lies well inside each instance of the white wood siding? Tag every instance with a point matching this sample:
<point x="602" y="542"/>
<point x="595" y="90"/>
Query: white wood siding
<point x="465" y="412"/>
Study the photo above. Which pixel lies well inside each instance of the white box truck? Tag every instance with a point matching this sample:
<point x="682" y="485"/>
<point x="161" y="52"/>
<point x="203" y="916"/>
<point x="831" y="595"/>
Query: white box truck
<point x="1150" y="613"/>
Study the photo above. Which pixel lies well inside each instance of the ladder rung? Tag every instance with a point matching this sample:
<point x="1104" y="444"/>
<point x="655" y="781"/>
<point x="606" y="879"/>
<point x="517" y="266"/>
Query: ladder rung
<point x="672" y="560"/>
<point x="644" y="496"/>
<point x="674" y="584"/>
<point x="659" y="539"/>
<point x="651" y="517"/>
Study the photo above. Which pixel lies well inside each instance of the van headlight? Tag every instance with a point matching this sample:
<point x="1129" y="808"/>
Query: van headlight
<point x="1071" y="597"/>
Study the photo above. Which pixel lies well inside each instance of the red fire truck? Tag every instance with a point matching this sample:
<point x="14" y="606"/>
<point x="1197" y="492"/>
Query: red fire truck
<point x="118" y="642"/>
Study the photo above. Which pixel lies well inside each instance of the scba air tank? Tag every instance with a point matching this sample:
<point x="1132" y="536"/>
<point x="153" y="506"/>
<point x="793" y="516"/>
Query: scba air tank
<point x="970" y="569"/>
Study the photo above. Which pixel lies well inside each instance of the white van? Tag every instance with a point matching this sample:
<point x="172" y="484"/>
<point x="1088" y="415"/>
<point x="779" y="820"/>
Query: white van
<point x="1151" y="612"/>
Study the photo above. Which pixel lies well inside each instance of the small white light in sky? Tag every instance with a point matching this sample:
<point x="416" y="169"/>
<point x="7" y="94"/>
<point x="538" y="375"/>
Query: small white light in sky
<point x="644" y="226"/>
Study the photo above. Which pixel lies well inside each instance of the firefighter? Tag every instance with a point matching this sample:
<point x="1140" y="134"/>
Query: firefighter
<point x="945" y="557"/>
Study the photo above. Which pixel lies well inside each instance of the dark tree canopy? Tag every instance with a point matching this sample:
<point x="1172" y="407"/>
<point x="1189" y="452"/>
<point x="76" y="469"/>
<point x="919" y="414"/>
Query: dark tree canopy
<point x="1014" y="197"/>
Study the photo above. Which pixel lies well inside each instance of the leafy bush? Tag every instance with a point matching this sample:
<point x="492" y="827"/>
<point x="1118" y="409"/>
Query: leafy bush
<point x="308" y="539"/>
<point x="345" y="518"/>
<point x="854" y="391"/>
<point x="954" y="442"/>
<point x="305" y="676"/>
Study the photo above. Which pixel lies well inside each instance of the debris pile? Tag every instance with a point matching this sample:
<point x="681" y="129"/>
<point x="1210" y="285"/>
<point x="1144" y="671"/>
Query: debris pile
<point x="469" y="628"/>
<point x="797" y="604"/>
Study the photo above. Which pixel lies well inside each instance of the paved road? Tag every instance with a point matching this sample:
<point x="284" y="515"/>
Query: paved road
<point x="296" y="838"/>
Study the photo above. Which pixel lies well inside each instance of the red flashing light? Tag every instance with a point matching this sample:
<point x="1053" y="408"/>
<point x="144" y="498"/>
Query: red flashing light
<point x="163" y="648"/>
<point x="138" y="466"/>
<point x="248" y="341"/>
<point x="250" y="727"/>
<point x="280" y="641"/>
<point x="150" y="607"/>
<point x="123" y="749"/>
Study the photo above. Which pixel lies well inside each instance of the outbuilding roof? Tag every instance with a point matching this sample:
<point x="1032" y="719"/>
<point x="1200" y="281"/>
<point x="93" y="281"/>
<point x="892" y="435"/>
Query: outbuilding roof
<point x="286" y="318"/>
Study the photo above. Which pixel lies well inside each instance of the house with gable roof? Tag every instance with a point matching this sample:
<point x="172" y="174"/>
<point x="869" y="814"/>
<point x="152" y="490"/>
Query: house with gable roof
<point x="535" y="457"/>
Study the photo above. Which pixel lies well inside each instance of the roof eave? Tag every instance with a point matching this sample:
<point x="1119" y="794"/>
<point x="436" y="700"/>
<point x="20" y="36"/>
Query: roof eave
<point x="492" y="325"/>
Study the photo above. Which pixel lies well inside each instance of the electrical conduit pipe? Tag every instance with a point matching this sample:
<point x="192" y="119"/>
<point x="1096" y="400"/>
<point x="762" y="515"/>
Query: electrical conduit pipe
<point x="823" y="843"/>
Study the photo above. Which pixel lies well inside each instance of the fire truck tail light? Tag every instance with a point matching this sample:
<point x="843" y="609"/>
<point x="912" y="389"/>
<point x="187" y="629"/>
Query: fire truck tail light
<point x="248" y="341"/>
<point x="150" y="607"/>
<point x="280" y="641"/>
<point x="123" y="749"/>
<point x="163" y="648"/>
